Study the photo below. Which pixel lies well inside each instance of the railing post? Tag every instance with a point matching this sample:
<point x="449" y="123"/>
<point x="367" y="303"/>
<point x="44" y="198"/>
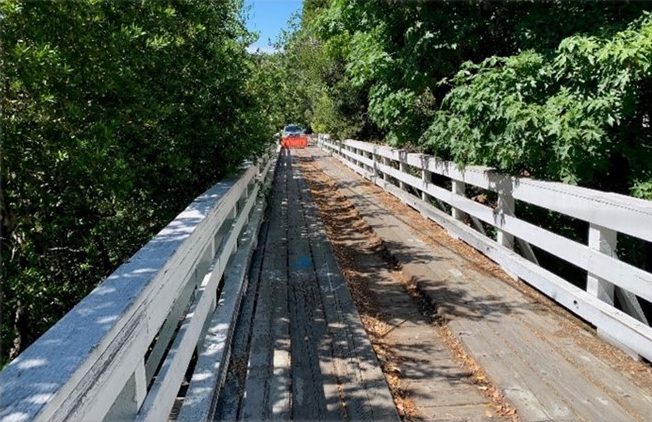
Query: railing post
<point x="327" y="147"/>
<point x="386" y="162"/>
<point x="375" y="166"/>
<point x="426" y="177"/>
<point x="402" y="167"/>
<point x="505" y="207"/>
<point x="131" y="397"/>
<point x="603" y="240"/>
<point x="458" y="188"/>
<point x="243" y="201"/>
<point x="259" y="168"/>
<point x="369" y="155"/>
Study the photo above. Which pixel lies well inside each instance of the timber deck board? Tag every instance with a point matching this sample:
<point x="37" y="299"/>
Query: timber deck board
<point x="256" y="383"/>
<point x="544" y="373"/>
<point x="279" y="393"/>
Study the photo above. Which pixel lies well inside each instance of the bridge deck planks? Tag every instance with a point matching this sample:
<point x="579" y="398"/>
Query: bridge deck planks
<point x="548" y="374"/>
<point x="308" y="356"/>
<point x="306" y="314"/>
<point x="370" y="401"/>
<point x="279" y="393"/>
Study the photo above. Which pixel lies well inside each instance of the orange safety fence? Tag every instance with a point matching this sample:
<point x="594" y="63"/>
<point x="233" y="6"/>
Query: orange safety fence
<point x="294" y="141"/>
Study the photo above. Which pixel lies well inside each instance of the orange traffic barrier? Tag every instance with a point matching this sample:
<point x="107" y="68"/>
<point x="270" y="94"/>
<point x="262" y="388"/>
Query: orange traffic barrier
<point x="294" y="141"/>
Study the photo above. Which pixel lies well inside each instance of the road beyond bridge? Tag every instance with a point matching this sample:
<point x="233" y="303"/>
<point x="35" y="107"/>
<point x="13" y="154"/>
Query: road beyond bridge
<point x="299" y="290"/>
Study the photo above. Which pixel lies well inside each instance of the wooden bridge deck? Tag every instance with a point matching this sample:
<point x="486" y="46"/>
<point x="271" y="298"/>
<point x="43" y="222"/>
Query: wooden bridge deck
<point x="301" y="352"/>
<point x="348" y="304"/>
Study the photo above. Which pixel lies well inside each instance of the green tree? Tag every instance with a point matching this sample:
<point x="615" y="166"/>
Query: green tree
<point x="398" y="52"/>
<point x="114" y="116"/>
<point x="580" y="116"/>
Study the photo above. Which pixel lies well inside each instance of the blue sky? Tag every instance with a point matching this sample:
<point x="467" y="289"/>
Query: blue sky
<point x="268" y="17"/>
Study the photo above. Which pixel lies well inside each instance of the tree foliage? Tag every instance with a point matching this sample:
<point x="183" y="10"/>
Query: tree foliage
<point x="555" y="89"/>
<point x="581" y="115"/>
<point x="400" y="51"/>
<point x="114" y="116"/>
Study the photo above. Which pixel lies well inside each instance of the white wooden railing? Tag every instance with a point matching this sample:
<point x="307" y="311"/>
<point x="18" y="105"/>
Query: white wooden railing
<point x="607" y="214"/>
<point x="123" y="351"/>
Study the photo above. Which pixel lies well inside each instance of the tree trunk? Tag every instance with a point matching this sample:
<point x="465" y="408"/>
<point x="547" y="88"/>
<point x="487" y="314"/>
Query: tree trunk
<point x="20" y="330"/>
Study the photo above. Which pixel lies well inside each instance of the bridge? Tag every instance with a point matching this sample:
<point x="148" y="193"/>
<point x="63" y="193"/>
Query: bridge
<point x="353" y="281"/>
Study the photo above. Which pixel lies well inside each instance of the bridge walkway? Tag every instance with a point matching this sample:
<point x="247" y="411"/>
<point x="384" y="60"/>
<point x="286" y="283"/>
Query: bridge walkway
<point x="300" y="351"/>
<point x="516" y="344"/>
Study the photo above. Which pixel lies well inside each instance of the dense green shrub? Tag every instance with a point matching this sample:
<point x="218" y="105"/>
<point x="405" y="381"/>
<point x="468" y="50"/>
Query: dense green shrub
<point x="114" y="116"/>
<point x="400" y="51"/>
<point x="580" y="116"/>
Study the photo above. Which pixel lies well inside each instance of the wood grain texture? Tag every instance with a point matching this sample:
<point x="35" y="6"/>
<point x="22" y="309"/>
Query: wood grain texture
<point x="214" y="352"/>
<point x="310" y="358"/>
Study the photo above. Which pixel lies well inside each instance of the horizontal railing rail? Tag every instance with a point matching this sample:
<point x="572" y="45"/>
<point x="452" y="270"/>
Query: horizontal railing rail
<point x="123" y="351"/>
<point x="607" y="214"/>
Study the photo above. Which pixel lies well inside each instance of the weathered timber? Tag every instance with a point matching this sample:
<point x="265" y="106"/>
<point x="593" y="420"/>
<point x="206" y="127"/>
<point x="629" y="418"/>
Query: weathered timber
<point x="310" y="358"/>
<point x="547" y="364"/>
<point x="627" y="328"/>
<point x="367" y="397"/>
<point x="277" y="261"/>
<point x="214" y="352"/>
<point x="96" y="359"/>
<point x="256" y="395"/>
